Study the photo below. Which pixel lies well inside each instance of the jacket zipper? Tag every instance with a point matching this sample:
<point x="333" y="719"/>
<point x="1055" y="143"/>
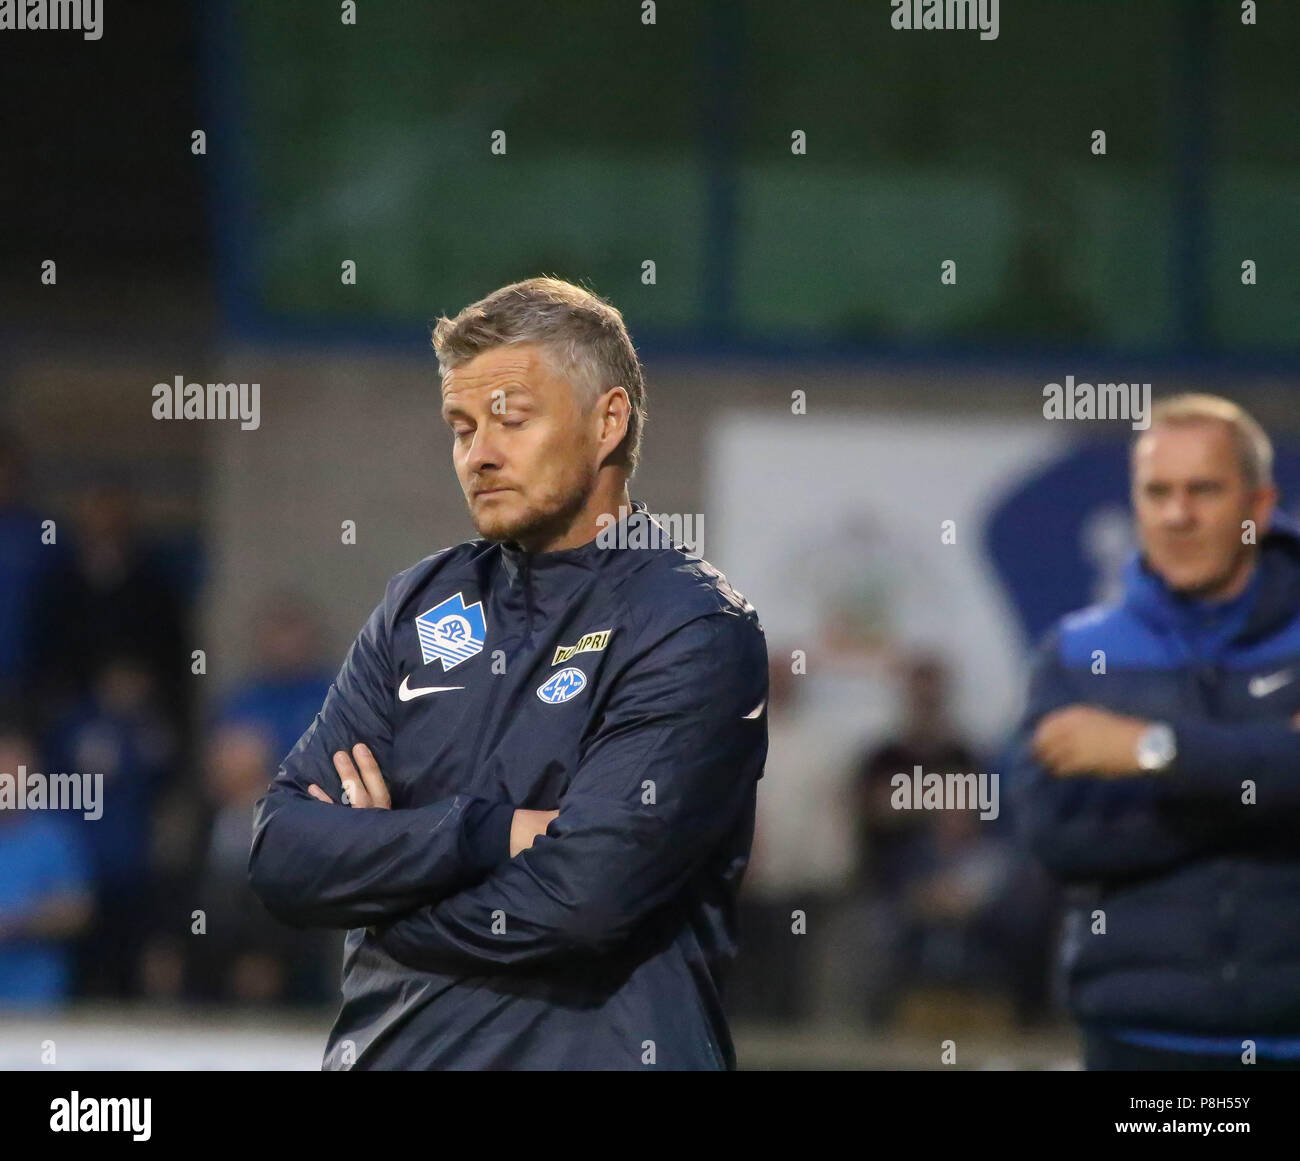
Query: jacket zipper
<point x="526" y="574"/>
<point x="528" y="597"/>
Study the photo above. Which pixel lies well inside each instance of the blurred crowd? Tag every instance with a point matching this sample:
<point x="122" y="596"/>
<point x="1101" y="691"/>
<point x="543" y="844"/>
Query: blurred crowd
<point x="98" y="676"/>
<point x="856" y="911"/>
<point x="851" y="909"/>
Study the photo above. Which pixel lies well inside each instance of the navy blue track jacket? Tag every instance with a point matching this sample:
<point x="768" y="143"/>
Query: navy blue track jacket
<point x="1200" y="889"/>
<point x="625" y="687"/>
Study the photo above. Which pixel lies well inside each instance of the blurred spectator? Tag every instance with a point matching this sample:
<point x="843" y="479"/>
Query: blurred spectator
<point x="45" y="897"/>
<point x="23" y="562"/>
<point x="975" y="914"/>
<point x="801" y="859"/>
<point x="946" y="900"/>
<point x="105" y="598"/>
<point x="888" y="838"/>
<point x="240" y="953"/>
<point x="289" y="685"/>
<point x="249" y="957"/>
<point x="117" y="731"/>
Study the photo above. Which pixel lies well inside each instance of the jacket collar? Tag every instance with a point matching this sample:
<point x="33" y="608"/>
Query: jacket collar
<point x="1270" y="600"/>
<point x="521" y="564"/>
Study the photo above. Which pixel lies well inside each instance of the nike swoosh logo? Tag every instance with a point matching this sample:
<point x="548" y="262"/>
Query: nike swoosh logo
<point x="758" y="709"/>
<point x="1263" y="686"/>
<point x="406" y="693"/>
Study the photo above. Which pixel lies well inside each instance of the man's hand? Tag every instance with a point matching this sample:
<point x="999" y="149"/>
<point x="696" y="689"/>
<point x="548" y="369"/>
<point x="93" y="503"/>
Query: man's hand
<point x="526" y="825"/>
<point x="366" y="789"/>
<point x="1081" y="739"/>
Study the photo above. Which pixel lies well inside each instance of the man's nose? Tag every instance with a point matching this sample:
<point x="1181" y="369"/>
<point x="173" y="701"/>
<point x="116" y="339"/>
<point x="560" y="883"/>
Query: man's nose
<point x="483" y="451"/>
<point x="1178" y="512"/>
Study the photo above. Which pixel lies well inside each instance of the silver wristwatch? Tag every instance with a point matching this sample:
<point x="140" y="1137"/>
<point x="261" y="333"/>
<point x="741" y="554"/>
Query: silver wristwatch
<point x="1156" y="747"/>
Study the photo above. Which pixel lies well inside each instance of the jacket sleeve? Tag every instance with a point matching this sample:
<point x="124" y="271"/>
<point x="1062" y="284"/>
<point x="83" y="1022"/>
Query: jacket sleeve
<point x="316" y="864"/>
<point x="1083" y="828"/>
<point x="1215" y="758"/>
<point x="670" y="770"/>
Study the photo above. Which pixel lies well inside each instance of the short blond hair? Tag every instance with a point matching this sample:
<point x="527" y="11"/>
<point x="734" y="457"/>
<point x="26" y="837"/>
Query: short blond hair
<point x="584" y="334"/>
<point x="1254" y="448"/>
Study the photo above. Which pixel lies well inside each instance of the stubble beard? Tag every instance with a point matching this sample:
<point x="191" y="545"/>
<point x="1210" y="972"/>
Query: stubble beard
<point x="1212" y="588"/>
<point x="541" y="521"/>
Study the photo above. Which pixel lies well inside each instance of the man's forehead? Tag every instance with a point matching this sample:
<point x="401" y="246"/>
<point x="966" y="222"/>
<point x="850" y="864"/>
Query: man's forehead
<point x="520" y="366"/>
<point x="1195" y="446"/>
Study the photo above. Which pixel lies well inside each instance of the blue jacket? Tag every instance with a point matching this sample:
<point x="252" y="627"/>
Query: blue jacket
<point x="1200" y="889"/>
<point x="624" y="686"/>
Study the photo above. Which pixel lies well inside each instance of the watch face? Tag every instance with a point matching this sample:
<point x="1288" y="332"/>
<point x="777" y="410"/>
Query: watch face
<point x="1156" y="748"/>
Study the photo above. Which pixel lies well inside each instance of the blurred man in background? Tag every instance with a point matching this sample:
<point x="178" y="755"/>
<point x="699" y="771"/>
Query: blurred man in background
<point x="105" y="598"/>
<point x="893" y="845"/>
<point x="290" y="677"/>
<point x="118" y="731"/>
<point x="944" y="900"/>
<point x="25" y="564"/>
<point x="926" y="736"/>
<point x="1158" y="766"/>
<point x="45" y="891"/>
<point x="248" y="957"/>
<point x="801" y="862"/>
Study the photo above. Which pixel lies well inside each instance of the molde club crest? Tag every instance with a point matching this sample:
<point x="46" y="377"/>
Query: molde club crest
<point x="451" y="632"/>
<point x="562" y="686"/>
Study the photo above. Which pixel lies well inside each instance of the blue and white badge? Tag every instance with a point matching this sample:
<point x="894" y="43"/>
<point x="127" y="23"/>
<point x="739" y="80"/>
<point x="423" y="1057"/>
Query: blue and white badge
<point x="451" y="632"/>
<point x="562" y="686"/>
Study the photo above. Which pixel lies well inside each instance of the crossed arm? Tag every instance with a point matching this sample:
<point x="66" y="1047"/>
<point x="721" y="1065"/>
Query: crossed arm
<point x="670" y="771"/>
<point x="1087" y="809"/>
<point x="364" y="788"/>
<point x="316" y="864"/>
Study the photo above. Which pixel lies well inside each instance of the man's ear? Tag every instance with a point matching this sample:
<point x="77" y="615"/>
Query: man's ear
<point x="1263" y="505"/>
<point x="615" y="409"/>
